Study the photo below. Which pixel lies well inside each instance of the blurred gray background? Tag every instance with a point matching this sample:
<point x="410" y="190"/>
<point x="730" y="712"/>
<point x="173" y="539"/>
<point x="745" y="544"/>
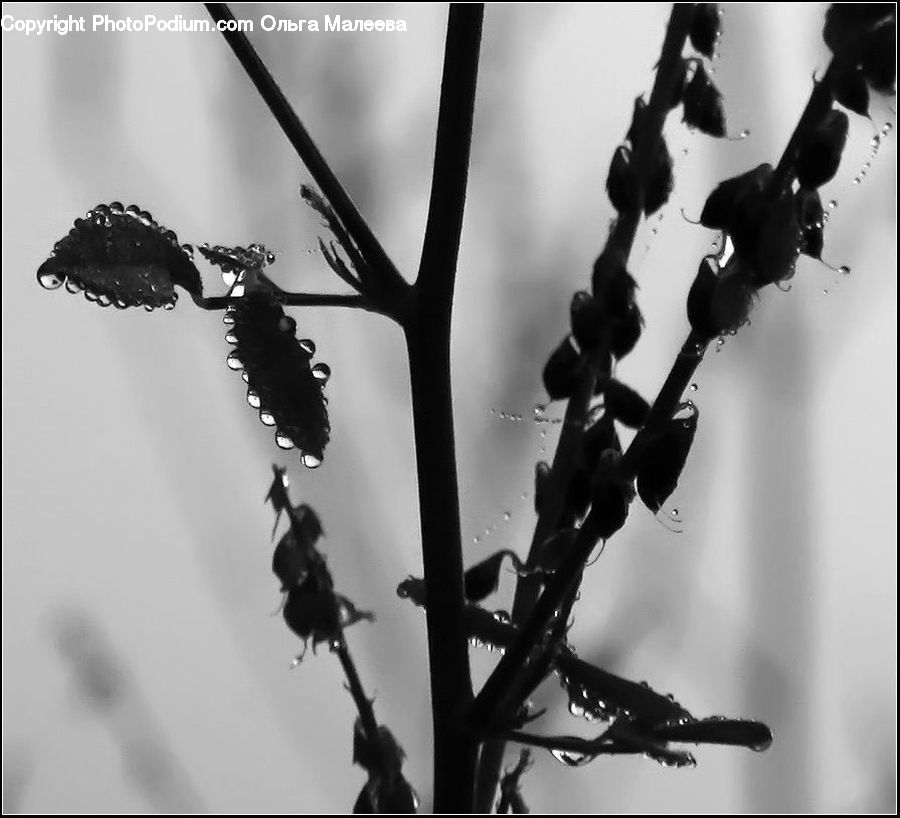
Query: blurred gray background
<point x="142" y="666"/>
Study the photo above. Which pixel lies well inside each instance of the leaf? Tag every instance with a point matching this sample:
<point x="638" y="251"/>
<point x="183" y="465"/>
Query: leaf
<point x="703" y="107"/>
<point x="622" y="183"/>
<point x="611" y="498"/>
<point x="705" y="28"/>
<point x="659" y="182"/>
<point x="121" y="257"/>
<point x="292" y="560"/>
<point x="562" y="370"/>
<point x="638" y="120"/>
<point x="385" y="756"/>
<point x="282" y="385"/>
<point x="819" y="155"/>
<point x="664" y="457"/>
<point x="278" y="495"/>
<point x="599" y="437"/>
<point x="716" y="730"/>
<point x="625" y="405"/>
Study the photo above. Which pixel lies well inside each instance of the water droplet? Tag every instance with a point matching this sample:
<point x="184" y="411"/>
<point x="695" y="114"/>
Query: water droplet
<point x="744" y="133"/>
<point x="310" y="461"/>
<point x="876" y="142"/>
<point x="694" y="387"/>
<point x="234" y="362"/>
<point x="673" y="512"/>
<point x="228" y="318"/>
<point x="287" y="324"/>
<point x="321" y="372"/>
<point x="844" y="270"/>
<point x="253" y="399"/>
<point x="188" y="250"/>
<point x="572" y="759"/>
<point x="308" y="346"/>
<point x="115" y="207"/>
<point x="50" y="281"/>
<point x="283" y="441"/>
<point x="507" y="516"/>
<point x="73" y="286"/>
<point x="295" y="662"/>
<point x="169" y="305"/>
<point x="832" y="204"/>
<point x="824" y="292"/>
<point x="229" y="277"/>
<point x="237" y="291"/>
<point x="230" y="337"/>
<point x="266" y="418"/>
<point x="857" y="180"/>
<point x="147" y="307"/>
<point x="103" y="300"/>
<point x="654" y="231"/>
<point x="476" y="539"/>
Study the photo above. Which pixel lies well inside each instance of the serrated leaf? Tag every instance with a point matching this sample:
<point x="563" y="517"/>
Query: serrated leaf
<point x="121" y="257"/>
<point x="664" y="457"/>
<point x="282" y="384"/>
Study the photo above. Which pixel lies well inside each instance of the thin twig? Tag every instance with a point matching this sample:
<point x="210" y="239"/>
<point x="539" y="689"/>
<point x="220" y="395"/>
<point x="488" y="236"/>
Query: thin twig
<point x="307" y="151"/>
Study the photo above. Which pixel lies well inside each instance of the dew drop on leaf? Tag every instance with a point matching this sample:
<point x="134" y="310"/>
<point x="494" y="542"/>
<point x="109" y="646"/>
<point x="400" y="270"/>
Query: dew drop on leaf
<point x="310" y="461"/>
<point x="308" y="346"/>
<point x="321" y="372"/>
<point x="234" y="362"/>
<point x="283" y="441"/>
<point x="266" y="418"/>
<point x="50" y="281"/>
<point x="253" y="399"/>
<point x="231" y="337"/>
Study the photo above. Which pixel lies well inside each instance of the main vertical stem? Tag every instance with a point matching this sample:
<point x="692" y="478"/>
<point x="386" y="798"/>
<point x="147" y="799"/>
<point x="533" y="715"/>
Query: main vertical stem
<point x="427" y="327"/>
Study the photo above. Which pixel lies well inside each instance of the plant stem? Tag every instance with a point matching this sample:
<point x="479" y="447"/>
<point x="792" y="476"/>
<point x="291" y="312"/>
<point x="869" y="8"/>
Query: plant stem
<point x="427" y="326"/>
<point x="295" y="300"/>
<point x="363" y="703"/>
<point x="307" y="151"/>
<point x="621" y="237"/>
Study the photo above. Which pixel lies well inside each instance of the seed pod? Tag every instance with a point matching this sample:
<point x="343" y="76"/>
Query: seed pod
<point x="705" y="28"/>
<point x="718" y="304"/>
<point x="625" y="405"/>
<point x="663" y="459"/>
<point x="122" y="257"/>
<point x="720" y="208"/>
<point x="879" y="62"/>
<point x="599" y="437"/>
<point x="622" y="184"/>
<point x="626" y="332"/>
<point x="779" y="240"/>
<point x="578" y="496"/>
<point x="611" y="497"/>
<point x="311" y="609"/>
<point x="850" y="26"/>
<point x="562" y="370"/>
<point x="588" y="321"/>
<point x="703" y="104"/>
<point x="541" y="476"/>
<point x="659" y="182"/>
<point x="820" y="153"/>
<point x="811" y="216"/>
<point x="638" y="120"/>
<point x="609" y="266"/>
<point x="850" y="90"/>
<point x="386" y="757"/>
<point x="680" y="74"/>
